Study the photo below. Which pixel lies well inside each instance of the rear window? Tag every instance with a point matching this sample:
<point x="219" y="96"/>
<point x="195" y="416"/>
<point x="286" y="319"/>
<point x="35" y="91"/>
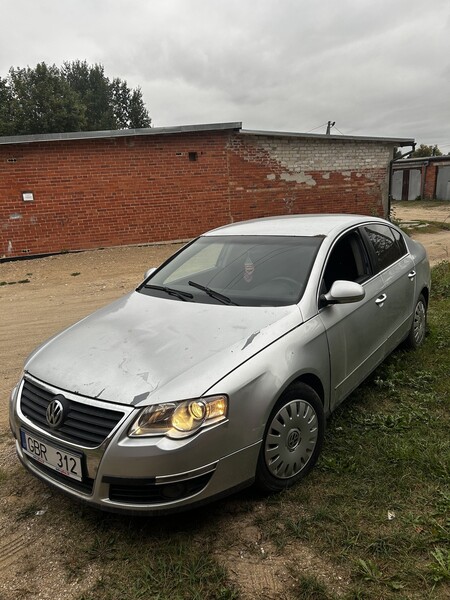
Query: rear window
<point x="387" y="243"/>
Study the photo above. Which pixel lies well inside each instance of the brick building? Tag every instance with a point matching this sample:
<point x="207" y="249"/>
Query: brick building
<point x="75" y="191"/>
<point x="427" y="178"/>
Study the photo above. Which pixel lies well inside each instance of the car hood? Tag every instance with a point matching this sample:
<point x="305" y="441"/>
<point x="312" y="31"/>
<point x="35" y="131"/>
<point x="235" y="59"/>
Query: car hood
<point x="142" y="349"/>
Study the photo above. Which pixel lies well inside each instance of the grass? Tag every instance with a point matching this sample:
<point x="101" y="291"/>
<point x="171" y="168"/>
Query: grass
<point x="425" y="227"/>
<point x="14" y="282"/>
<point x="375" y="509"/>
<point x="378" y="503"/>
<point x="139" y="559"/>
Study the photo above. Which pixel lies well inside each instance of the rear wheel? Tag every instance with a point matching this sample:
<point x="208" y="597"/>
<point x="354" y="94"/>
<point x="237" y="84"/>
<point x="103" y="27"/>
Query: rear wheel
<point x="293" y="439"/>
<point x="416" y="334"/>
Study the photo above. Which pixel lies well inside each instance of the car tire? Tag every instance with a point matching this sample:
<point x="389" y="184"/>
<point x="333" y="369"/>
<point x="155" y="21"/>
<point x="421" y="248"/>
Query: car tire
<point x="416" y="335"/>
<point x="292" y="440"/>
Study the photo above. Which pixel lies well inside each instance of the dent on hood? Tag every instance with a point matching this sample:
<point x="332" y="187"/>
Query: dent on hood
<point x="143" y="349"/>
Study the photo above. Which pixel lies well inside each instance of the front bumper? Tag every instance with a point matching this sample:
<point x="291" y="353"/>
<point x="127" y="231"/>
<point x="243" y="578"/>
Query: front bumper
<point x="152" y="475"/>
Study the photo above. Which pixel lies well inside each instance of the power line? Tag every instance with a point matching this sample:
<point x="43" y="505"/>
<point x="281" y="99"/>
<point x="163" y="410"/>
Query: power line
<point x="323" y="125"/>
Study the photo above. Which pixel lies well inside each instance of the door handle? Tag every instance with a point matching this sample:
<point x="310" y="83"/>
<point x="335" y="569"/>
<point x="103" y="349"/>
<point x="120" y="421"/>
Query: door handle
<point x="380" y="300"/>
<point x="411" y="275"/>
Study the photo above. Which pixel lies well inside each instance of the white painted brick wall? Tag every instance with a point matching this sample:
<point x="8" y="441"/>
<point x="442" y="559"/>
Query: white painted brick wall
<point x="299" y="155"/>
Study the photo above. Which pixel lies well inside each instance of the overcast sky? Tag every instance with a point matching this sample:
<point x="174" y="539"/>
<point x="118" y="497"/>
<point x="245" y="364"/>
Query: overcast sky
<point x="375" y="67"/>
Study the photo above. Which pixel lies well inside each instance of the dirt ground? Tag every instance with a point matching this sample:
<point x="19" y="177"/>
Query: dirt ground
<point x="38" y="298"/>
<point x="436" y="243"/>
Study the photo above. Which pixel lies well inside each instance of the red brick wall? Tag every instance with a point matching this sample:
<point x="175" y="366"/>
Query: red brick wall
<point x="429" y="190"/>
<point x="106" y="192"/>
<point x="132" y="190"/>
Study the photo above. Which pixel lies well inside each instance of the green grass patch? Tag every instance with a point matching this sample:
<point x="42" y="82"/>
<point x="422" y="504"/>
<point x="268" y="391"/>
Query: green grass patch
<point x="308" y="587"/>
<point x="425" y="227"/>
<point x="14" y="282"/>
<point x="143" y="559"/>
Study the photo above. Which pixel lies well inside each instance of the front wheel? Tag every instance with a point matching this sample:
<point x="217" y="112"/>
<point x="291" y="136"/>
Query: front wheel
<point x="292" y="440"/>
<point x="416" y="334"/>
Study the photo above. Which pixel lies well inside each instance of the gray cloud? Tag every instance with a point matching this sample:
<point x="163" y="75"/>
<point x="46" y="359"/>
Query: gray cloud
<point x="376" y="68"/>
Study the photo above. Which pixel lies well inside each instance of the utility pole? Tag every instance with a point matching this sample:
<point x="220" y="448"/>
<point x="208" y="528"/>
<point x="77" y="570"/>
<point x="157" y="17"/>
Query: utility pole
<point x="329" y="126"/>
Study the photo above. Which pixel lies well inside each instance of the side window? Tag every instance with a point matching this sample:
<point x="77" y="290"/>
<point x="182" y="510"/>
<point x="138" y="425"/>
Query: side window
<point x="348" y="261"/>
<point x="388" y="247"/>
<point x="400" y="241"/>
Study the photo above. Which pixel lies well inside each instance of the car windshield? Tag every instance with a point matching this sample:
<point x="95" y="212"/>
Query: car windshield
<point x="237" y="270"/>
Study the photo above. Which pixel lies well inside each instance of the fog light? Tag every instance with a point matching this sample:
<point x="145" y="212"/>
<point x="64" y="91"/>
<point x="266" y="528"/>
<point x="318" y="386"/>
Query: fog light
<point x="173" y="491"/>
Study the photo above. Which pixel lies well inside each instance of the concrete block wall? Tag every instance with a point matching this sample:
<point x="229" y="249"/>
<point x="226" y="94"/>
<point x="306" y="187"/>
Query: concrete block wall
<point x="270" y="175"/>
<point x="95" y="193"/>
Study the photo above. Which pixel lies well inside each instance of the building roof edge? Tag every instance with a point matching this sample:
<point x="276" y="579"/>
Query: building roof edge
<point x="323" y="136"/>
<point x="117" y="133"/>
<point x="150" y="131"/>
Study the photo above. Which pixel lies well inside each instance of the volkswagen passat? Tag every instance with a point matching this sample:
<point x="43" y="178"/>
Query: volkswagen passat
<point x="221" y="367"/>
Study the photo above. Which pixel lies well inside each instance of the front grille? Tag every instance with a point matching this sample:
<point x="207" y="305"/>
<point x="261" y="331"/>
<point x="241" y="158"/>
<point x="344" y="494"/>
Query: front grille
<point x="146" y="491"/>
<point x="86" y="486"/>
<point x="85" y="425"/>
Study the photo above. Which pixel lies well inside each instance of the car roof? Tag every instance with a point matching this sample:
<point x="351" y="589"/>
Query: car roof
<point x="295" y="225"/>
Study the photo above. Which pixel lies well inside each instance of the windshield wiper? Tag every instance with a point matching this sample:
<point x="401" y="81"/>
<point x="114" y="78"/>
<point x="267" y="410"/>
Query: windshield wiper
<point x="217" y="295"/>
<point x="172" y="292"/>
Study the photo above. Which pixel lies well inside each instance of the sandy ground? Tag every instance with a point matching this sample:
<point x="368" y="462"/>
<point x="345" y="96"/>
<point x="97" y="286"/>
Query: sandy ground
<point x="438" y="243"/>
<point x="59" y="291"/>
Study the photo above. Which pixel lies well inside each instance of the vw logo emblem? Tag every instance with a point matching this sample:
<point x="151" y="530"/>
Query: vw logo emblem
<point x="293" y="439"/>
<point x="55" y="412"/>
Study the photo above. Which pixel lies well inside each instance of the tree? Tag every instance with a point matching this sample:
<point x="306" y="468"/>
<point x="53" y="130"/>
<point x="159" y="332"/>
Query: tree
<point x="94" y="90"/>
<point x="423" y="150"/>
<point x="129" y="108"/>
<point x="5" y="108"/>
<point x="39" y="101"/>
<point x="77" y="97"/>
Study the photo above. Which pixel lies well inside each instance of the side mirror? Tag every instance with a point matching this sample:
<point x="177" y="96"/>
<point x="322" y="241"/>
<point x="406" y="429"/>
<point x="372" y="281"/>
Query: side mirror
<point x="343" y="292"/>
<point x="149" y="272"/>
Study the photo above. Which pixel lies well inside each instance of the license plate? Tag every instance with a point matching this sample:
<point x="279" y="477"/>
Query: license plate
<point x="59" y="460"/>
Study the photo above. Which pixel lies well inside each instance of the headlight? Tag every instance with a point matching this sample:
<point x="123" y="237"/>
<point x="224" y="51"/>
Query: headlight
<point x="180" y="419"/>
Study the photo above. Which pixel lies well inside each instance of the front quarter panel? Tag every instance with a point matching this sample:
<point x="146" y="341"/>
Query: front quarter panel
<point x="256" y="385"/>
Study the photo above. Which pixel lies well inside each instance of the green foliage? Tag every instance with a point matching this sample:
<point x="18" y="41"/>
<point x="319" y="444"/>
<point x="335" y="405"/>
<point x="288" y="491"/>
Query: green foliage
<point x="75" y="97"/>
<point x="309" y="587"/>
<point x="440" y="568"/>
<point x="440" y="283"/>
<point x="424" y="150"/>
<point x="40" y="101"/>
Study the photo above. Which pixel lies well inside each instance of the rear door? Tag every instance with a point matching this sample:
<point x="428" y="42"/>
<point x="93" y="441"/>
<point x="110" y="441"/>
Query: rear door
<point x="392" y="260"/>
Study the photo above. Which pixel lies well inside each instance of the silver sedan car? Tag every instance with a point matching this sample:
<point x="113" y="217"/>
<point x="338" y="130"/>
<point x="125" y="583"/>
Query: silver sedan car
<point x="221" y="368"/>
